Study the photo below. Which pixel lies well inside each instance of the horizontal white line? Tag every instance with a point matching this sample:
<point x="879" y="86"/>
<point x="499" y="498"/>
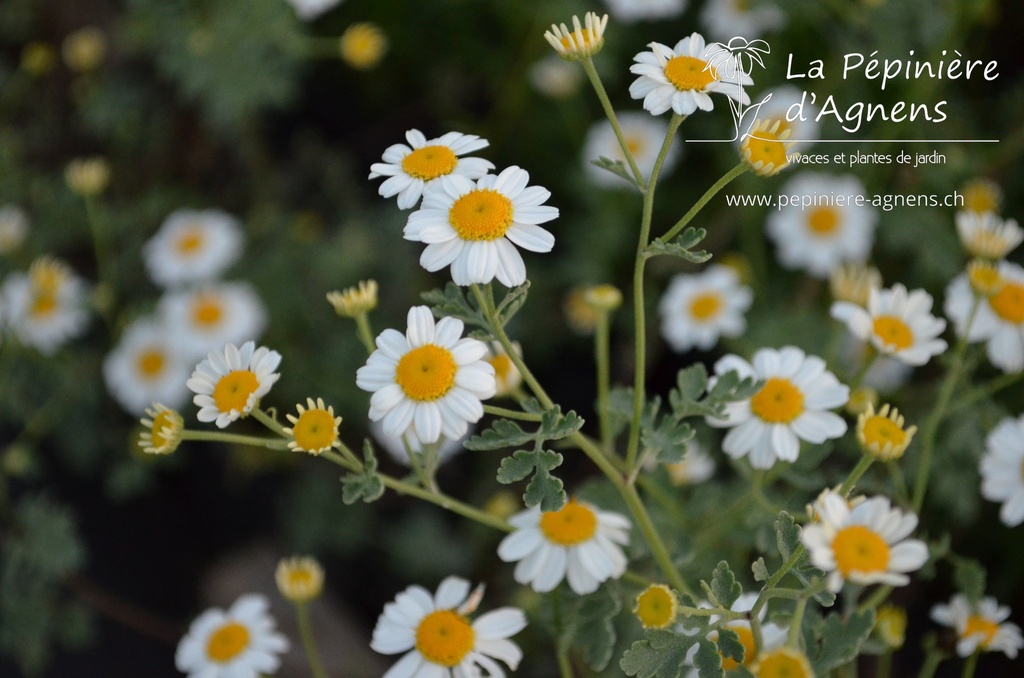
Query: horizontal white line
<point x="854" y="141"/>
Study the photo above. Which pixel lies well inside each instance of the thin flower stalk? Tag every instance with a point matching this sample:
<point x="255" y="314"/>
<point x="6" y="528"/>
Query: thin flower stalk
<point x="606" y="104"/>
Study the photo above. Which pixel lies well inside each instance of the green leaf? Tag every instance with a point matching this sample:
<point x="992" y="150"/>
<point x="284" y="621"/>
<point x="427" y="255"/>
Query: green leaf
<point x="760" y="570"/>
<point x="668" y="440"/>
<point x="724" y="587"/>
<point x="505" y="433"/>
<point x="513" y="301"/>
<point x="970" y="578"/>
<point x="708" y="660"/>
<point x="589" y="626"/>
<point x="698" y="623"/>
<point x="841" y="640"/>
<point x="544" y="488"/>
<point x="691" y="384"/>
<point x="366" y="485"/>
<point x="617" y="168"/>
<point x="661" y="654"/>
<point x="787" y="537"/>
<point x="681" y="247"/>
<point x="453" y="302"/>
<point x="730" y="646"/>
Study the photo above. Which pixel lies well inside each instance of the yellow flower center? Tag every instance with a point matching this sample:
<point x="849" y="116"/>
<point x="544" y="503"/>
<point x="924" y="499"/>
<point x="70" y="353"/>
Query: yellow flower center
<point x="778" y="401"/>
<point x="706" y="306"/>
<point x="656" y="607"/>
<point x="363" y="45"/>
<point x="976" y="624"/>
<point x="687" y="73"/>
<point x="299" y="579"/>
<point x="823" y="221"/>
<point x="783" y="663"/>
<point x="766" y="148"/>
<point x="635" y="145"/>
<point x="315" y="430"/>
<point x="747" y="641"/>
<point x="150" y="363"/>
<point x="1008" y="303"/>
<point x="481" y="214"/>
<point x="161" y="421"/>
<point x="429" y="162"/>
<point x="43" y="304"/>
<point x="893" y="332"/>
<point x="881" y="431"/>
<point x="207" y="311"/>
<point x="227" y="642"/>
<point x="233" y="390"/>
<point x="190" y="241"/>
<point x="426" y="373"/>
<point x="984" y="278"/>
<point x="581" y="37"/>
<point x="981" y="196"/>
<point x="859" y="549"/>
<point x="502" y="365"/>
<point x="891" y="625"/>
<point x="572" y="524"/>
<point x="444" y="637"/>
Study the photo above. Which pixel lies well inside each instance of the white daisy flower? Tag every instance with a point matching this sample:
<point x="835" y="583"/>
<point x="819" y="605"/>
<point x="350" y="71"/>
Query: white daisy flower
<point x="896" y="322"/>
<point x="193" y="246"/>
<point x="147" y="367"/>
<point x="507" y="377"/>
<point x="13" y="228"/>
<point x="554" y="77"/>
<point x="725" y="19"/>
<point x="398" y="447"/>
<point x="210" y="316"/>
<point x="999" y="320"/>
<point x="865" y="544"/>
<point x="819" y="238"/>
<point x="629" y="11"/>
<point x="681" y="78"/>
<point x="696" y="467"/>
<point x="779" y="108"/>
<point x="980" y="627"/>
<point x="45" y="308"/>
<point x="1002" y="469"/>
<point x="886" y="374"/>
<point x="697" y="309"/>
<point x="240" y="642"/>
<point x="644" y="136"/>
<point x="984" y="234"/>
<point x="411" y="168"/>
<point x="579" y="542"/>
<point x="474" y="227"/>
<point x="438" y="638"/>
<point x="229" y="384"/>
<point x="307" y="10"/>
<point x="792" y="406"/>
<point x="773" y="636"/>
<point x="428" y="382"/>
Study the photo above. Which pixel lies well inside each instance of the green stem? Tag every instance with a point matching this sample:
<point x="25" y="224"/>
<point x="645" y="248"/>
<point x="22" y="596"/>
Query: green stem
<point x="793" y="637"/>
<point x="863" y="371"/>
<point x="602" y="355"/>
<point x="657" y="546"/>
<point x="561" y="651"/>
<point x="639" y="312"/>
<point x="704" y="200"/>
<point x="309" y="641"/>
<point x="931" y="663"/>
<point x="512" y="414"/>
<point x="364" y="332"/>
<point x="931" y="426"/>
<point x="899" y="482"/>
<point x="606" y="104"/>
<point x="992" y="387"/>
<point x="218" y="436"/>
<point x="884" y="667"/>
<point x="268" y="421"/>
<point x="104" y="258"/>
<point x="971" y="665"/>
<point x="877" y="597"/>
<point x="855" y="475"/>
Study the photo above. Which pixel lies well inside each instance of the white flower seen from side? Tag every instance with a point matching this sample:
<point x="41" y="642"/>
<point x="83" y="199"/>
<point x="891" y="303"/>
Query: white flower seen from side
<point x="578" y="542"/>
<point x="240" y="642"/>
<point x="984" y="234"/>
<point x="147" y="367"/>
<point x="998" y="320"/>
<point x="682" y="78"/>
<point x="398" y="447"/>
<point x="817" y="238"/>
<point x="644" y="136"/>
<point x="629" y="11"/>
<point x="228" y="385"/>
<point x="13" y="228"/>
<point x="439" y="639"/>
<point x="428" y="382"/>
<point x="308" y="10"/>
<point x="865" y="544"/>
<point x="696" y="467"/>
<point x="779" y="108"/>
<point x="980" y="627"/>
<point x="411" y="168"/>
<point x="1002" y="469"/>
<point x="207" y="317"/>
<point x="793" y="405"/>
<point x="475" y="226"/>
<point x="47" y="307"/>
<point x="897" y="323"/>
<point x="697" y="309"/>
<point x="193" y="246"/>
<point x="554" y="77"/>
<point x="725" y="19"/>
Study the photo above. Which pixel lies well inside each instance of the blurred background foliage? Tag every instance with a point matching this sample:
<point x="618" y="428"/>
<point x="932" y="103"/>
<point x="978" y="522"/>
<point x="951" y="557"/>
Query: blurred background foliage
<point x="244" y="107"/>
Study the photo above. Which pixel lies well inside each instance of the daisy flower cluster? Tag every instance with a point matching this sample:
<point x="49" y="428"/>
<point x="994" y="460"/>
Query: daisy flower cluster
<point x="45" y="307"/>
<point x="196" y="314"/>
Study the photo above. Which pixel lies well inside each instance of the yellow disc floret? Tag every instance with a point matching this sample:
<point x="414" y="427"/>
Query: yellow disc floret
<point x="706" y="306"/>
<point x="893" y="332"/>
<point x="778" y="402"/>
<point x="981" y="626"/>
<point x="656" y="606"/>
<point x="445" y="637"/>
<point x="363" y="45"/>
<point x="573" y="524"/>
<point x="233" y="390"/>
<point x="430" y="162"/>
<point x="151" y="363"/>
<point x="315" y="429"/>
<point x="426" y="373"/>
<point x="882" y="435"/>
<point x="858" y="549"/>
<point x="1008" y="302"/>
<point x="481" y="214"/>
<point x="162" y="433"/>
<point x="764" y="150"/>
<point x="207" y="311"/>
<point x="227" y="642"/>
<point x="783" y="663"/>
<point x="299" y="579"/>
<point x="823" y="221"/>
<point x="687" y="73"/>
